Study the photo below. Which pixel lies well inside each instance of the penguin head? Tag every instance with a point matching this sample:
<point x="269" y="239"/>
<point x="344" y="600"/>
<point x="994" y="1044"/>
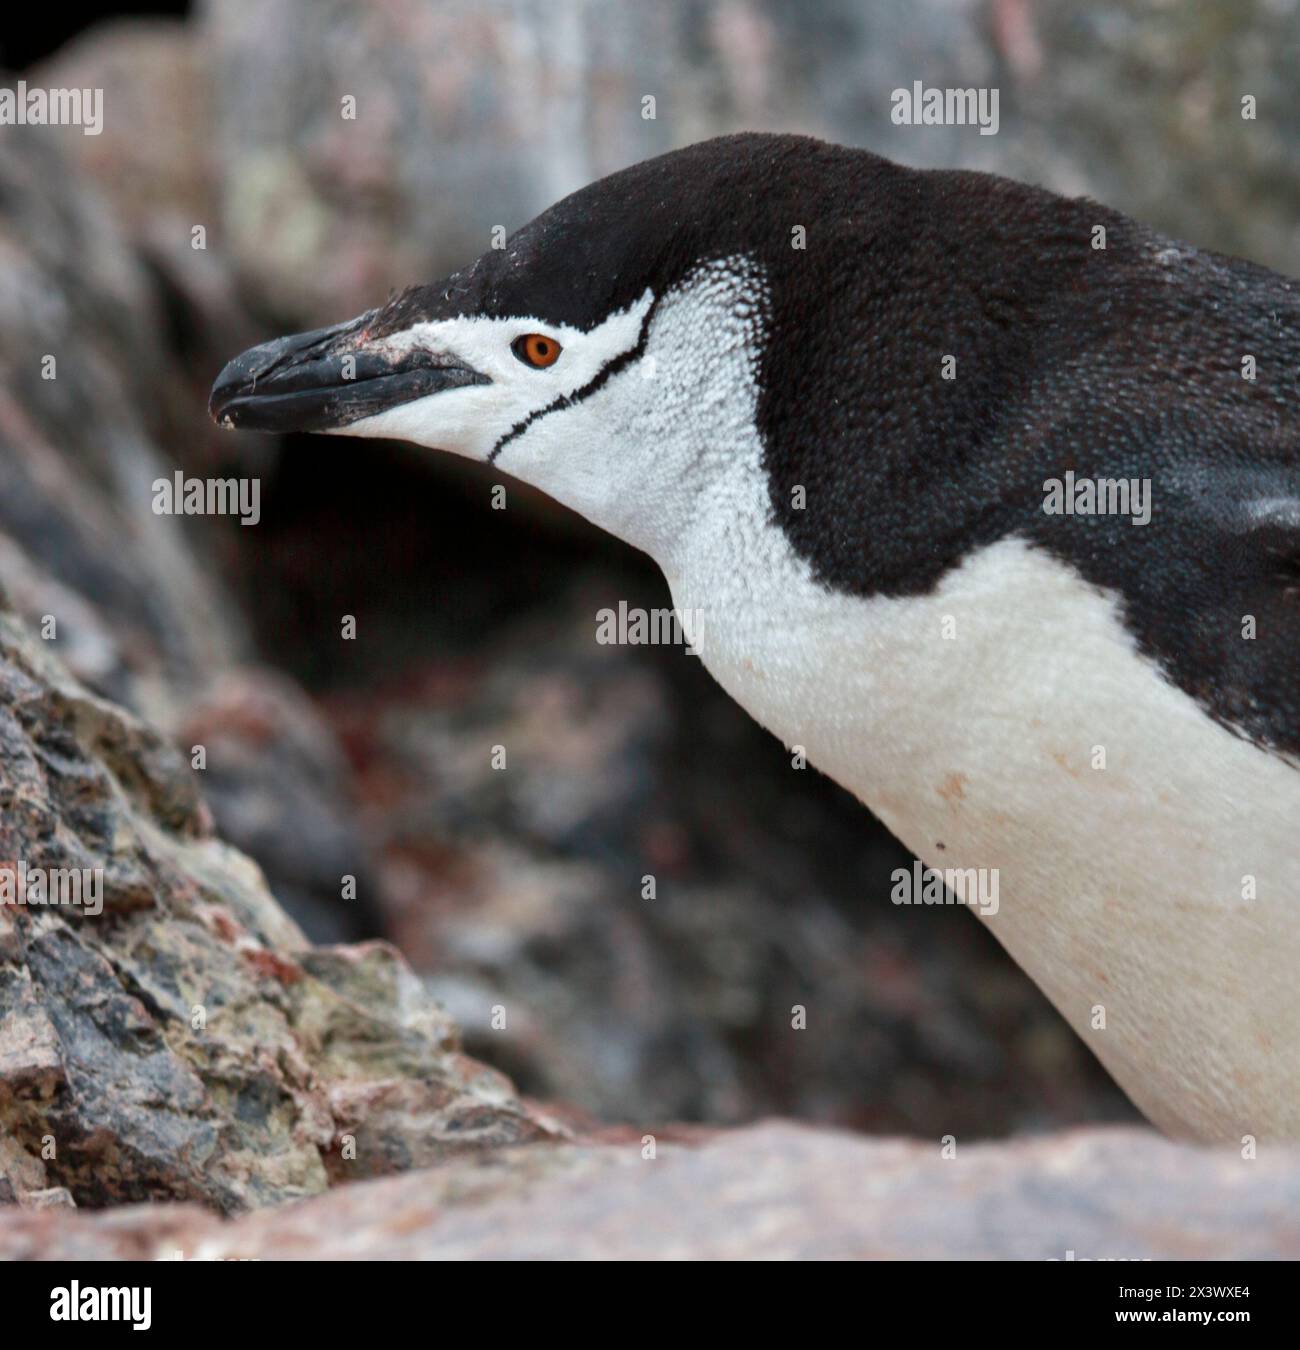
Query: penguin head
<point x="590" y="356"/>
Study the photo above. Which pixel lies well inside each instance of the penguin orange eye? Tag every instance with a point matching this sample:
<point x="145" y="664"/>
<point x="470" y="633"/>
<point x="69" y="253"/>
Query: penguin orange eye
<point x="536" y="349"/>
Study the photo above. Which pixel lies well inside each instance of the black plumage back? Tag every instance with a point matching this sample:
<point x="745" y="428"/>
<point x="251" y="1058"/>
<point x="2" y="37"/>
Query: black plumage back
<point x="1122" y="362"/>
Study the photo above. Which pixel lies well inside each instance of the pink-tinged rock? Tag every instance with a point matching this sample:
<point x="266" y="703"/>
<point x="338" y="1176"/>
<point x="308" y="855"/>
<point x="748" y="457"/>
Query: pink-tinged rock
<point x="771" y="1191"/>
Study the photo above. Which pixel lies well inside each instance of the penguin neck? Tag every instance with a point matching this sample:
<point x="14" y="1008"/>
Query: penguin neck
<point x="1005" y="720"/>
<point x="997" y="716"/>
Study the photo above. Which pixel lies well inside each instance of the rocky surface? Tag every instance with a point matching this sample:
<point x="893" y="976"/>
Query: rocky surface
<point x="187" y="1042"/>
<point x="769" y="1192"/>
<point x="101" y="396"/>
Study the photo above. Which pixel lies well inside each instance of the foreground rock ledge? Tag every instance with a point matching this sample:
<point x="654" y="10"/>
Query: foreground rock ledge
<point x="771" y="1191"/>
<point x="187" y="1042"/>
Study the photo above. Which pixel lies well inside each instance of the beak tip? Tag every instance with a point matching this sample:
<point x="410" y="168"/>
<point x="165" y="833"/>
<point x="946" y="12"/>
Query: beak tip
<point x="226" y="388"/>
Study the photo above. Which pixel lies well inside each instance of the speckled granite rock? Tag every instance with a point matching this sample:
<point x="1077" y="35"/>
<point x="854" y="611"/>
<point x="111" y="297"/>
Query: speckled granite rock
<point x="772" y="1191"/>
<point x="187" y="1042"/>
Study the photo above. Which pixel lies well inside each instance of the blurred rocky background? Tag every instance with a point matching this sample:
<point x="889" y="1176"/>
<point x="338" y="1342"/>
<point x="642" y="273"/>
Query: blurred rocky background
<point x="372" y="758"/>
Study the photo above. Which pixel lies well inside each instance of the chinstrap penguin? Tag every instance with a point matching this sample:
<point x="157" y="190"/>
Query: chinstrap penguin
<point x="828" y="395"/>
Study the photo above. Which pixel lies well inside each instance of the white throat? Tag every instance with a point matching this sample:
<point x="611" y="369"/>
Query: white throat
<point x="970" y="721"/>
<point x="641" y="453"/>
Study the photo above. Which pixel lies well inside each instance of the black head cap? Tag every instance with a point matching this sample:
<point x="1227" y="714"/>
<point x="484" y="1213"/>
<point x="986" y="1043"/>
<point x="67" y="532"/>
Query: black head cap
<point x="599" y="249"/>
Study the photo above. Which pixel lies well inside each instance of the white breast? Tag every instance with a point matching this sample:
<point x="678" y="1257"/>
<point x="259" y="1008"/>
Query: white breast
<point x="1121" y="888"/>
<point x="970" y="722"/>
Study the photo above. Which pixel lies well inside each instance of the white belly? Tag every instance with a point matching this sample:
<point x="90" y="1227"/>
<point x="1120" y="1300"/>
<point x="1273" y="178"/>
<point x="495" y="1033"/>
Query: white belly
<point x="1121" y="889"/>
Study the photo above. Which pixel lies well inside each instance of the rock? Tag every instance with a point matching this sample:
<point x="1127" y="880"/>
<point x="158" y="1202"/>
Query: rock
<point x="505" y="96"/>
<point x="470" y="116"/>
<point x="133" y="601"/>
<point x="155" y="176"/>
<point x="153" y="156"/>
<point x="77" y="458"/>
<point x="53" y="1197"/>
<point x="276" y="782"/>
<point x="774" y="1191"/>
<point x="187" y="1042"/>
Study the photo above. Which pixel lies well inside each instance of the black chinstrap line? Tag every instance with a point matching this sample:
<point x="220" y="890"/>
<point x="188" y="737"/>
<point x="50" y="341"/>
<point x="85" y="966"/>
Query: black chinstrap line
<point x="609" y="369"/>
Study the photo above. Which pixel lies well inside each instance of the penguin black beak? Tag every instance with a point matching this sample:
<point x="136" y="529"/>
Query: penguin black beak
<point x="325" y="380"/>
